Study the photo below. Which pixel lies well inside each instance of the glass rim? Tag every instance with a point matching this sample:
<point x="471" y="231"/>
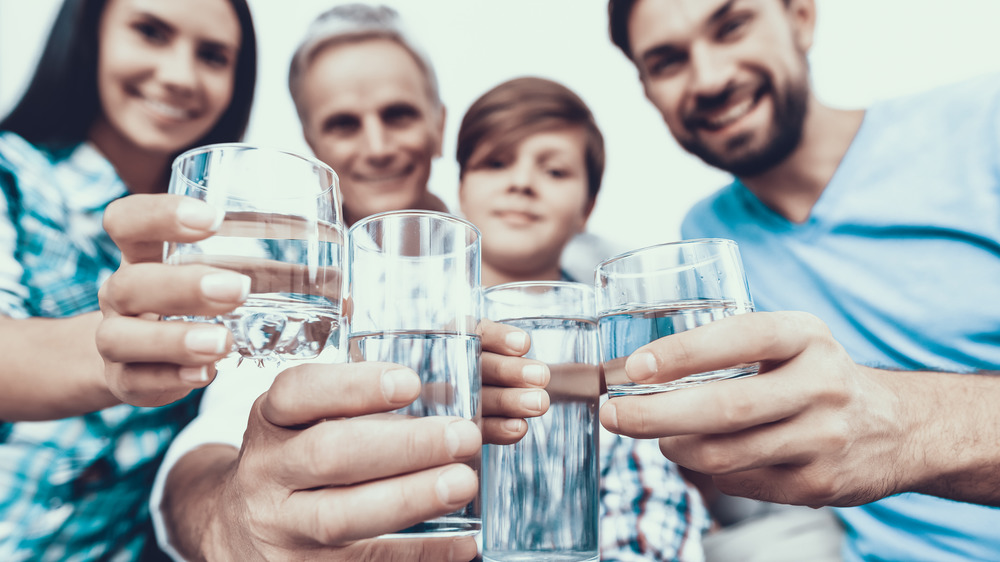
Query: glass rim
<point x="527" y="284"/>
<point x="205" y="149"/>
<point x="449" y="217"/>
<point x="690" y="242"/>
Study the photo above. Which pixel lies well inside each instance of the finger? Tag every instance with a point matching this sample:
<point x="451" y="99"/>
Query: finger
<point x="311" y="392"/>
<point x="759" y="447"/>
<point x="337" y="515"/>
<point x="514" y="371"/>
<point x="168" y="290"/>
<point x="316" y="456"/>
<point x="156" y="384"/>
<point x="514" y="402"/>
<point x="457" y="549"/>
<point x="503" y="339"/>
<point x="723" y="406"/>
<point x="736" y="340"/>
<point x="503" y="431"/>
<point x="125" y="339"/>
<point x="139" y="224"/>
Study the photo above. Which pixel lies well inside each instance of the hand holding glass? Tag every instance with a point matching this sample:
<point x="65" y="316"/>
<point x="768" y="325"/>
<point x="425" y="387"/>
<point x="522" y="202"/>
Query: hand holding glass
<point x="658" y="291"/>
<point x="283" y="229"/>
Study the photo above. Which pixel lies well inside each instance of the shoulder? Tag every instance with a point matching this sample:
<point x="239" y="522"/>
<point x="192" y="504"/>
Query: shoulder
<point x="704" y="218"/>
<point x="950" y="105"/>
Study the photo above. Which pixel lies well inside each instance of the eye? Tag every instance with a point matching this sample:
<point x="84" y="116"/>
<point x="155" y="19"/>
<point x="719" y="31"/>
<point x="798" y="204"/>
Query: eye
<point x="558" y="173"/>
<point x="341" y="125"/>
<point x="666" y="63"/>
<point x="732" y="27"/>
<point x="151" y="32"/>
<point x="400" y="115"/>
<point x="214" y="56"/>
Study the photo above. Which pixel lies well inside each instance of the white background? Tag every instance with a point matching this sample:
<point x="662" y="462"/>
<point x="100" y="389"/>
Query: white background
<point x="865" y="50"/>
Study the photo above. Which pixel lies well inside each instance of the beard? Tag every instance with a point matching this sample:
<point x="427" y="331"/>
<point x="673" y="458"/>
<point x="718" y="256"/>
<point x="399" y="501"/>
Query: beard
<point x="739" y="157"/>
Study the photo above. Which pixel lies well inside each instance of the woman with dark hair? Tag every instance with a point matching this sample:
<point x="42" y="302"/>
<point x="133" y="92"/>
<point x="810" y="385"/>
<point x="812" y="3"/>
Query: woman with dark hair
<point x="531" y="157"/>
<point x="122" y="87"/>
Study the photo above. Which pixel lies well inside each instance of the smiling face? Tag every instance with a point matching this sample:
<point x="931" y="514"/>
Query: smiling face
<point x="165" y="71"/>
<point x="729" y="77"/>
<point x="368" y="113"/>
<point x="529" y="201"/>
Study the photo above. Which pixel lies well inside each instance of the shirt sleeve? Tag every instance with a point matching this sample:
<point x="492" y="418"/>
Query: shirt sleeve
<point x="648" y="511"/>
<point x="13" y="294"/>
<point x="222" y="418"/>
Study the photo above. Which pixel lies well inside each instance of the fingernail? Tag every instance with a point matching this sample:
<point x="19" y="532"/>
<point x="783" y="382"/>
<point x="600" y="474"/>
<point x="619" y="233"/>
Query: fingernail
<point x="455" y="484"/>
<point x="609" y="416"/>
<point x="640" y="366"/>
<point x="513" y="426"/>
<point x="532" y="400"/>
<point x="535" y="374"/>
<point x="400" y="385"/>
<point x="226" y="286"/>
<point x="463" y="550"/>
<point x="462" y="438"/>
<point x="210" y="339"/>
<point x="517" y="340"/>
<point x="193" y="374"/>
<point x="199" y="215"/>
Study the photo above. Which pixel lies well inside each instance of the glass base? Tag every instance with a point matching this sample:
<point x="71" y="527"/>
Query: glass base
<point x="536" y="555"/>
<point x="631" y="389"/>
<point x="440" y="527"/>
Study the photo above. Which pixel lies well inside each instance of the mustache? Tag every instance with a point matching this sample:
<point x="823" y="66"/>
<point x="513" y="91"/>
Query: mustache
<point x="706" y="105"/>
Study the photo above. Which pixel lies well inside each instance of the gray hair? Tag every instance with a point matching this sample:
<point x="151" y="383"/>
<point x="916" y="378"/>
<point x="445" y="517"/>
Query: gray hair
<point x="351" y="23"/>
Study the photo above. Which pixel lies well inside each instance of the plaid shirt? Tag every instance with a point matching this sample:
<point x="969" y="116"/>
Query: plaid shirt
<point x="648" y="511"/>
<point x="75" y="488"/>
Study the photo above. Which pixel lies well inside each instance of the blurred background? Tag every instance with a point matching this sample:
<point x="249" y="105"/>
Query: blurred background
<point x="865" y="50"/>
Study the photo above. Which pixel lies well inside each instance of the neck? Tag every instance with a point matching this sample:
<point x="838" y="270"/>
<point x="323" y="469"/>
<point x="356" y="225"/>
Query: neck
<point x="427" y="202"/>
<point x="497" y="276"/>
<point x="140" y="170"/>
<point x="792" y="188"/>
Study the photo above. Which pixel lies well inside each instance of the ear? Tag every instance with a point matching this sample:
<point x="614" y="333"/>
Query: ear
<point x="439" y="150"/>
<point x="802" y="14"/>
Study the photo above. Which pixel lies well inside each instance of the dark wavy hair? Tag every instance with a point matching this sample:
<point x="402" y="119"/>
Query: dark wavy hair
<point x="61" y="102"/>
<point x="519" y="108"/>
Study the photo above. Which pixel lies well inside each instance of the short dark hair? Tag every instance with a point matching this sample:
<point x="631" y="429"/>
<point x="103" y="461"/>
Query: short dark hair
<point x="61" y="102"/>
<point x="519" y="108"/>
<point x="618" y="14"/>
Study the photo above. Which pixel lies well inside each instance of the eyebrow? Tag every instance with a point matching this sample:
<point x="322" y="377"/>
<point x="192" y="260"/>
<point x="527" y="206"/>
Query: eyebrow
<point x="669" y="49"/>
<point x="153" y="19"/>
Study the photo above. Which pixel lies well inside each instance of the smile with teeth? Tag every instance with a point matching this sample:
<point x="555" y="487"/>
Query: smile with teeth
<point x="730" y="115"/>
<point x="169" y="111"/>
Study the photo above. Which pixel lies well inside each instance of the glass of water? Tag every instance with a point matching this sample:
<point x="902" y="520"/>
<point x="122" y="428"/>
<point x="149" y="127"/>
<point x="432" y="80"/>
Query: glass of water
<point x="654" y="292"/>
<point x="416" y="301"/>
<point x="283" y="229"/>
<point x="540" y="495"/>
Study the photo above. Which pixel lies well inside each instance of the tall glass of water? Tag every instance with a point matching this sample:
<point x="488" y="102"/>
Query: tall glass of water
<point x="540" y="495"/>
<point x="416" y="300"/>
<point x="283" y="229"/>
<point x="654" y="292"/>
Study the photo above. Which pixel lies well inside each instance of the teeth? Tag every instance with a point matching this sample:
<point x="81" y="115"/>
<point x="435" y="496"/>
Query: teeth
<point x="167" y="110"/>
<point x="731" y="115"/>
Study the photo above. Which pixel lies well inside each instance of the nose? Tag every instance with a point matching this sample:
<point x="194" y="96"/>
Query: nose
<point x="378" y="145"/>
<point x="712" y="71"/>
<point x="177" y="69"/>
<point x="521" y="179"/>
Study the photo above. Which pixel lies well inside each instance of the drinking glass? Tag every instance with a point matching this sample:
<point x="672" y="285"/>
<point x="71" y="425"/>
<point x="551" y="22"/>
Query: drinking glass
<point x="540" y="494"/>
<point x="654" y="292"/>
<point x="416" y="300"/>
<point x="283" y="229"/>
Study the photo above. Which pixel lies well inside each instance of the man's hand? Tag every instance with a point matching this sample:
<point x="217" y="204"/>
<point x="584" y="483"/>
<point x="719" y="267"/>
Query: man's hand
<point x="306" y="489"/>
<point x="812" y="428"/>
